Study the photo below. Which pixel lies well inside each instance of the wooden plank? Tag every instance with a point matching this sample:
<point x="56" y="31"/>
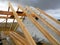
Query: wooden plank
<point x="23" y="38"/>
<point x="46" y="34"/>
<point x="15" y="40"/>
<point x="6" y="17"/>
<point x="42" y="12"/>
<point x="22" y="26"/>
<point x="45" y="22"/>
<point x="11" y="13"/>
<point x="19" y="38"/>
<point x="7" y="32"/>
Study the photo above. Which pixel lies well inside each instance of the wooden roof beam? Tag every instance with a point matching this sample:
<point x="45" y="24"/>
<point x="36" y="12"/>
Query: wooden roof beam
<point x="22" y="26"/>
<point x="19" y="38"/>
<point x="45" y="22"/>
<point x="42" y="12"/>
<point x="15" y="40"/>
<point x="43" y="30"/>
<point x="11" y="13"/>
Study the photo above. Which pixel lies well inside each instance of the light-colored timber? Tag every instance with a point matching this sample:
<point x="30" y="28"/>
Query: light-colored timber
<point x="45" y="22"/>
<point x="24" y="29"/>
<point x="46" y="34"/>
<point x="24" y="37"/>
<point x="48" y="16"/>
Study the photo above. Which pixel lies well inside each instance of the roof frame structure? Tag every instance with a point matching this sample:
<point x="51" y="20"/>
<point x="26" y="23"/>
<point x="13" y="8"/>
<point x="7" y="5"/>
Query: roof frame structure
<point x="28" y="40"/>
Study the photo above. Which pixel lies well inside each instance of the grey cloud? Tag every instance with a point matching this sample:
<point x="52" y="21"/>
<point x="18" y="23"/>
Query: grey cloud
<point x="43" y="4"/>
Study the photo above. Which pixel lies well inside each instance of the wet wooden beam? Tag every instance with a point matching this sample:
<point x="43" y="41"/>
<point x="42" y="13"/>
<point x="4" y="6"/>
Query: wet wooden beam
<point x="41" y="29"/>
<point x="22" y="26"/>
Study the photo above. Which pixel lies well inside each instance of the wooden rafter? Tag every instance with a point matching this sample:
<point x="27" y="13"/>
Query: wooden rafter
<point x="19" y="38"/>
<point x="24" y="29"/>
<point x="42" y="12"/>
<point x="15" y="40"/>
<point x="28" y="40"/>
<point x="46" y="34"/>
<point x="45" y="22"/>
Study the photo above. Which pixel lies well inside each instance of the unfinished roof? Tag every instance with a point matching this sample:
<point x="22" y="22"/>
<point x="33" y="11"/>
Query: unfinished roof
<point x="41" y="20"/>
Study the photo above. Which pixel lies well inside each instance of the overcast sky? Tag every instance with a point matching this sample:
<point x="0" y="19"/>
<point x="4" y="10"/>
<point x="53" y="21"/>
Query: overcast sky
<point x="43" y="4"/>
<point x="47" y="5"/>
